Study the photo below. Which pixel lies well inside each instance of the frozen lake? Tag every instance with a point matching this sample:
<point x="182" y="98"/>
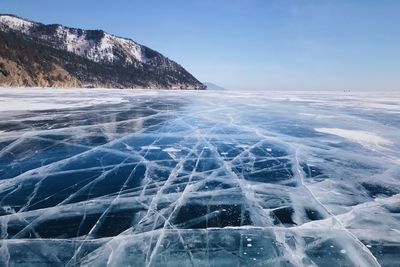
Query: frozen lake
<point x="164" y="178"/>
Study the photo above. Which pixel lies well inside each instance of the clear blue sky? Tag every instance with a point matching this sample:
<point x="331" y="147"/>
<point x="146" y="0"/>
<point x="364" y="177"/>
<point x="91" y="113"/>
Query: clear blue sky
<point x="251" y="44"/>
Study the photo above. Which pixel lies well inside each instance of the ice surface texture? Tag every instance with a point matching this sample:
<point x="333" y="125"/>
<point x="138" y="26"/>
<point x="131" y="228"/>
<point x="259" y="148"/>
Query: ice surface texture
<point x="158" y="178"/>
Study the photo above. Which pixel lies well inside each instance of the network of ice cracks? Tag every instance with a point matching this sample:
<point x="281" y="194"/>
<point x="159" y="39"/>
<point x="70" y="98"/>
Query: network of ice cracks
<point x="161" y="178"/>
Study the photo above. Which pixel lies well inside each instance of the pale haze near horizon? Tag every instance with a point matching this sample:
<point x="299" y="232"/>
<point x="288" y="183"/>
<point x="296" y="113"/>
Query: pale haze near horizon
<point x="251" y="45"/>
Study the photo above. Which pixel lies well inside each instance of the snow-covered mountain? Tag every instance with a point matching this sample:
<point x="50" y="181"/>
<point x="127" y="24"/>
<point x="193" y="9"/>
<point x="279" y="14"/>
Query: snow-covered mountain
<point x="148" y="67"/>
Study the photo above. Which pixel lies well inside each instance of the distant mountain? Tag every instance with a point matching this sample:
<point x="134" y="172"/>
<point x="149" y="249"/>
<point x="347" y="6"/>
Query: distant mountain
<point x="35" y="54"/>
<point x="214" y="87"/>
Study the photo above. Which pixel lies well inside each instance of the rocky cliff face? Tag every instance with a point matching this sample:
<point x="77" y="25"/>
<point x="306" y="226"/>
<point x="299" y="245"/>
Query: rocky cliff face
<point x="34" y="54"/>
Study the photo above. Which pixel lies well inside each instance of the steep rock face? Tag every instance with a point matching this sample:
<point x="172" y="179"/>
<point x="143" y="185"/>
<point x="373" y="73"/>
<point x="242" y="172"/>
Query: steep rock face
<point x="16" y="75"/>
<point x="92" y="57"/>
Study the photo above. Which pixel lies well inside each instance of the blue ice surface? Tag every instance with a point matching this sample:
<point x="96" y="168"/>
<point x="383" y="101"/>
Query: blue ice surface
<point x="168" y="178"/>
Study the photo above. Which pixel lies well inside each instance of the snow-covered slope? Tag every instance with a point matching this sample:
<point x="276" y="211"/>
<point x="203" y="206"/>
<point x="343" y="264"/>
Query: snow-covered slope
<point x="15" y="23"/>
<point x="95" y="45"/>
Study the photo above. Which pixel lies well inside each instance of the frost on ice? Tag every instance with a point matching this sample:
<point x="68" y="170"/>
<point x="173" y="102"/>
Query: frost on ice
<point x="147" y="178"/>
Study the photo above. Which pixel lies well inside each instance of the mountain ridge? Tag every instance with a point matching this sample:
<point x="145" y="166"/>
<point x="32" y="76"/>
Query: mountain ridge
<point x="138" y="65"/>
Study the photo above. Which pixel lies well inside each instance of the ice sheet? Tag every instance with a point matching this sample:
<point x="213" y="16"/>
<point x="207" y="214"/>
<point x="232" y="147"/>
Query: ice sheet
<point x="167" y="178"/>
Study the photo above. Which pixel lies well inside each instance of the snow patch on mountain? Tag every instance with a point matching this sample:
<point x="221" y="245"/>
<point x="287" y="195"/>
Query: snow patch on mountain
<point x="16" y="23"/>
<point x="108" y="49"/>
<point x="100" y="51"/>
<point x="133" y="50"/>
